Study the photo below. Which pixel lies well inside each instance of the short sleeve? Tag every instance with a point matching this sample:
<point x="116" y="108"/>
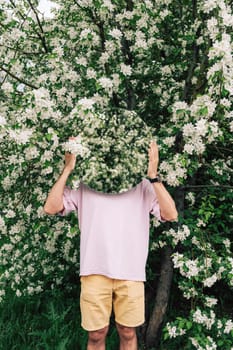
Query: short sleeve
<point x="155" y="209"/>
<point x="152" y="200"/>
<point x="70" y="200"/>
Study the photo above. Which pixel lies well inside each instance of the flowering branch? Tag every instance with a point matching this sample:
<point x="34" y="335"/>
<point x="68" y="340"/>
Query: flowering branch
<point x="17" y="78"/>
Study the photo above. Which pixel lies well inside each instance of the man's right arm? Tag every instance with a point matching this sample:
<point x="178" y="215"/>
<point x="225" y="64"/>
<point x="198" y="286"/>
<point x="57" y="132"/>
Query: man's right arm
<point x="54" y="201"/>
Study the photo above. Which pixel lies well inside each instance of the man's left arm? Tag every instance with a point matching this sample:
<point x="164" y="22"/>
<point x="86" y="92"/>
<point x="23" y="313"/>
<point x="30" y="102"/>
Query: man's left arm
<point x="166" y="203"/>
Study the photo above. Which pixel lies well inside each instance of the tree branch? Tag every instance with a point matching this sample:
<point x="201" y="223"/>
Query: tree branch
<point x="193" y="63"/>
<point x="22" y="52"/>
<point x="20" y="14"/>
<point x="131" y="100"/>
<point x="18" y="79"/>
<point x="42" y="34"/>
<point x="205" y="186"/>
<point x="97" y="22"/>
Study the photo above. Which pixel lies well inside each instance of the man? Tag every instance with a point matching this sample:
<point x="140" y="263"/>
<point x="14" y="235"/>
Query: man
<point x="113" y="248"/>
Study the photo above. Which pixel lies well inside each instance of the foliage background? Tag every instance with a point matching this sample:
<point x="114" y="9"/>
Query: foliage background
<point x="168" y="62"/>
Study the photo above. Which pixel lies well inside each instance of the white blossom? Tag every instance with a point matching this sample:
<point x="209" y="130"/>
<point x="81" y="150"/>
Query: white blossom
<point x="211" y="301"/>
<point x="76" y="147"/>
<point x="115" y="33"/>
<point x="126" y="69"/>
<point x="3" y="228"/>
<point x="106" y="83"/>
<point x="210" y="5"/>
<point x="172" y="330"/>
<point x="2" y="121"/>
<point x="169" y="141"/>
<point x="190" y="293"/>
<point x="179" y="235"/>
<point x="227" y="242"/>
<point x="10" y="213"/>
<point x="212" y="25"/>
<point x="31" y="152"/>
<point x="209" y="282"/>
<point x="190" y="197"/>
<point x="228" y="327"/>
<point x="178" y="260"/>
<point x="200" y="223"/>
<point x="21" y="136"/>
<point x="91" y="73"/>
<point x="18" y="293"/>
<point x="82" y="61"/>
<point x="86" y="103"/>
<point x="202" y="318"/>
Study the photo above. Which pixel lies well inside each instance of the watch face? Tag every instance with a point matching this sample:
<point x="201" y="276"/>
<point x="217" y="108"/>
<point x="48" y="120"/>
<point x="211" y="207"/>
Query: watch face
<point x="113" y="155"/>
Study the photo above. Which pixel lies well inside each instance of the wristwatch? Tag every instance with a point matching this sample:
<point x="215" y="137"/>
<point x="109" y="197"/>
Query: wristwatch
<point x="155" y="179"/>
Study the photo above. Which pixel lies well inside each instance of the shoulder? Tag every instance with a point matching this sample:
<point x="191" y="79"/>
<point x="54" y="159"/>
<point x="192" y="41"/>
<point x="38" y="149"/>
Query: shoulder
<point x="74" y="190"/>
<point x="148" y="189"/>
<point x="146" y="184"/>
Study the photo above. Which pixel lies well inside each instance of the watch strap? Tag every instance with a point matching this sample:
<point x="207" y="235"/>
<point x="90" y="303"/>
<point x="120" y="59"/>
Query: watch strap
<point x="155" y="179"/>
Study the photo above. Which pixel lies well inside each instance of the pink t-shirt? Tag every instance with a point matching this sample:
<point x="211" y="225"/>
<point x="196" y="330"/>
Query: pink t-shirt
<point x="114" y="229"/>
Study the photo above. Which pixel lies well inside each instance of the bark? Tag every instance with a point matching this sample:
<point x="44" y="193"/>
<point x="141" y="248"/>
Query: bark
<point x="164" y="284"/>
<point x="162" y="298"/>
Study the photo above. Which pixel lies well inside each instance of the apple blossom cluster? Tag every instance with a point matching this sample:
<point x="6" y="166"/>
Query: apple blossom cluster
<point x="195" y="135"/>
<point x="174" y="172"/>
<point x="202" y="318"/>
<point x="174" y="331"/>
<point x="178" y="235"/>
<point x="76" y="147"/>
<point x="210" y="344"/>
<point x="198" y="267"/>
<point x="205" y="320"/>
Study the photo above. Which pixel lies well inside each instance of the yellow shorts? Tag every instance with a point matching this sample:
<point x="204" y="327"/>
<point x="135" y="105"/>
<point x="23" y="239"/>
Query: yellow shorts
<point x="99" y="294"/>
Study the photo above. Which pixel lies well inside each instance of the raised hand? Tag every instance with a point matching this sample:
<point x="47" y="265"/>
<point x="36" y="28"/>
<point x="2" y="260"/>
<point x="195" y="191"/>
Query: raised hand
<point x="70" y="159"/>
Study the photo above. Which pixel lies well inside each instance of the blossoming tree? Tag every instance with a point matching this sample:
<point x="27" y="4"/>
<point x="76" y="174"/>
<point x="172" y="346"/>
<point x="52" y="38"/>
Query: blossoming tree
<point x="115" y="74"/>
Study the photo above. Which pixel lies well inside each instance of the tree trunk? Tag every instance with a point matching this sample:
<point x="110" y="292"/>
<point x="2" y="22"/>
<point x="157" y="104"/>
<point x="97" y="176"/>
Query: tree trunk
<point x="162" y="298"/>
<point x="164" y="284"/>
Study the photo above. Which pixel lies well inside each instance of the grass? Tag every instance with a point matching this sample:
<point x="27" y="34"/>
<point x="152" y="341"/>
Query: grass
<point x="49" y="321"/>
<point x="46" y="321"/>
